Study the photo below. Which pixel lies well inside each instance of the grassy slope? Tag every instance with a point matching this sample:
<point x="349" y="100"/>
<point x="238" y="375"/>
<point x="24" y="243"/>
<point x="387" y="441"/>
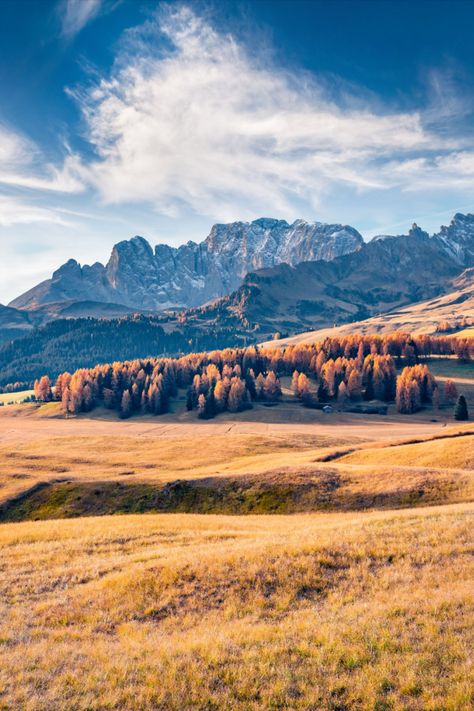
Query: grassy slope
<point x="326" y="611"/>
<point x="148" y="460"/>
<point x="237" y="474"/>
<point x="7" y="398"/>
<point x="451" y="368"/>
<point x="456" y="453"/>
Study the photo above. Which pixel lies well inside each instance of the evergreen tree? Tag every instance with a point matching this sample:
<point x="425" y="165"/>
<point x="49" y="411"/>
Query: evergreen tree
<point x="190" y="399"/>
<point x="323" y="395"/>
<point x="460" y="411"/>
<point x="369" y="388"/>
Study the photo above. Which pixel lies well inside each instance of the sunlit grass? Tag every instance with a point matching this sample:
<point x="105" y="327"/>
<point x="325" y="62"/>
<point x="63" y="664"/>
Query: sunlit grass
<point x="15" y="398"/>
<point x="325" y="611"/>
<point x="456" y="453"/>
<point x="105" y="458"/>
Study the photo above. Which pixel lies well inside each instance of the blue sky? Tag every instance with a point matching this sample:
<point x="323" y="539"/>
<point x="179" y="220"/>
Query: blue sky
<point x="121" y="117"/>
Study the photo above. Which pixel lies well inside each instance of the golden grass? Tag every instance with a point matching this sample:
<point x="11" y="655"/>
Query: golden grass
<point x="231" y="473"/>
<point x="455" y="453"/>
<point x="466" y="332"/>
<point x="15" y="398"/>
<point x="104" y="458"/>
<point x="326" y="611"/>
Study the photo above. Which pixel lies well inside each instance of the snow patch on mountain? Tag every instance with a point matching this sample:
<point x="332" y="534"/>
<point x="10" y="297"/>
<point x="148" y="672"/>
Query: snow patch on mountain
<point x="140" y="277"/>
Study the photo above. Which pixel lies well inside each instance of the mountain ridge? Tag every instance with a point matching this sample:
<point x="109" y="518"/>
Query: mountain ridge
<point x="168" y="277"/>
<point x="384" y="274"/>
<point x="380" y="276"/>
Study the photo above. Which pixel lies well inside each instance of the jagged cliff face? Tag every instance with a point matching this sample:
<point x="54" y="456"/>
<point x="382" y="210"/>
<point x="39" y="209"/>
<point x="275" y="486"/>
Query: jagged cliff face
<point x="385" y="274"/>
<point x="192" y="274"/>
<point x="273" y="275"/>
<point x="458" y="239"/>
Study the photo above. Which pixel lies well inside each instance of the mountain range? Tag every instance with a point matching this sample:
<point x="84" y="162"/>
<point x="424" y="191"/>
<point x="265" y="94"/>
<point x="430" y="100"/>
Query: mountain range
<point x="384" y="274"/>
<point x="140" y="278"/>
<point x="309" y="276"/>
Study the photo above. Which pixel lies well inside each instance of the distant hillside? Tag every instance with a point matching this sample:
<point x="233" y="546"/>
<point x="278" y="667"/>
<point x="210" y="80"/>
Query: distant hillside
<point x="13" y="323"/>
<point x="383" y="275"/>
<point x="421" y="317"/>
<point x="68" y="344"/>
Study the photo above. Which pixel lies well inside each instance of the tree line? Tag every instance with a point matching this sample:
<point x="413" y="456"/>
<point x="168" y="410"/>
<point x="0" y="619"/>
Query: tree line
<point x="69" y="344"/>
<point x="343" y="369"/>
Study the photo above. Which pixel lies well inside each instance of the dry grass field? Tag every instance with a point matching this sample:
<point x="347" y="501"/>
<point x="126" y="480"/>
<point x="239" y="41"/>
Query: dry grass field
<point x="362" y="598"/>
<point x="51" y="467"/>
<point x="266" y="460"/>
<point x="180" y="612"/>
<point x="15" y="398"/>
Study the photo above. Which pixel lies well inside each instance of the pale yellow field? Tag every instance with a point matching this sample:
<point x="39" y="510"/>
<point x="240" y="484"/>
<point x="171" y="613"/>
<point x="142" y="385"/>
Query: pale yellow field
<point x="129" y="459"/>
<point x="15" y="397"/>
<point x="361" y="607"/>
<point x="322" y="611"/>
<point x="456" y="453"/>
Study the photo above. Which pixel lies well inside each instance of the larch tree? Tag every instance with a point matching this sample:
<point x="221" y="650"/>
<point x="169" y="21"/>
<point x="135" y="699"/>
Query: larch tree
<point x="42" y="389"/>
<point x="126" y="405"/>
<point x="354" y="384"/>
<point x="450" y="390"/>
<point x="271" y="387"/>
<point x="302" y="386"/>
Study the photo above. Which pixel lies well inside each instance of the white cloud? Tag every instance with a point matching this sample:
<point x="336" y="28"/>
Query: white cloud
<point x="191" y="123"/>
<point x="207" y="126"/>
<point x="454" y="171"/>
<point x="23" y="166"/>
<point x="75" y="14"/>
<point x="15" y="211"/>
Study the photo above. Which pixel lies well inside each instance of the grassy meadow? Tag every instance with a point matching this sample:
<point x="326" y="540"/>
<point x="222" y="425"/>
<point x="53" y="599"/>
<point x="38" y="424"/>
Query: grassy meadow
<point x="354" y="590"/>
<point x="15" y="398"/>
<point x="321" y="611"/>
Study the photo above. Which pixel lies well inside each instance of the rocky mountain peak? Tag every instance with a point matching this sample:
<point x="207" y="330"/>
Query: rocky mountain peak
<point x="416" y="231"/>
<point x="70" y="268"/>
<point x="458" y="239"/>
<point x="140" y="277"/>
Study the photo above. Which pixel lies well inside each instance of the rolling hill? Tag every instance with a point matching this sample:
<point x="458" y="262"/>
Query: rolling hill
<point x="421" y="317"/>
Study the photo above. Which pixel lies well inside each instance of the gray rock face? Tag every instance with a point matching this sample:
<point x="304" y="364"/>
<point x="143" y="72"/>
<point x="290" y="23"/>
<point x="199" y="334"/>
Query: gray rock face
<point x="192" y="274"/>
<point x="458" y="239"/>
<point x="143" y="279"/>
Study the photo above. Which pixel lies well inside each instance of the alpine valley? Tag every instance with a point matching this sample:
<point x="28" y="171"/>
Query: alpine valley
<point x="246" y="282"/>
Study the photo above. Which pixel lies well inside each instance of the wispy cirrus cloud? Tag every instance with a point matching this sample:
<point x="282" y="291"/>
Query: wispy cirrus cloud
<point x="191" y="121"/>
<point x="190" y="118"/>
<point x="15" y="211"/>
<point x="22" y="165"/>
<point x="74" y="15"/>
<point x="25" y="177"/>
